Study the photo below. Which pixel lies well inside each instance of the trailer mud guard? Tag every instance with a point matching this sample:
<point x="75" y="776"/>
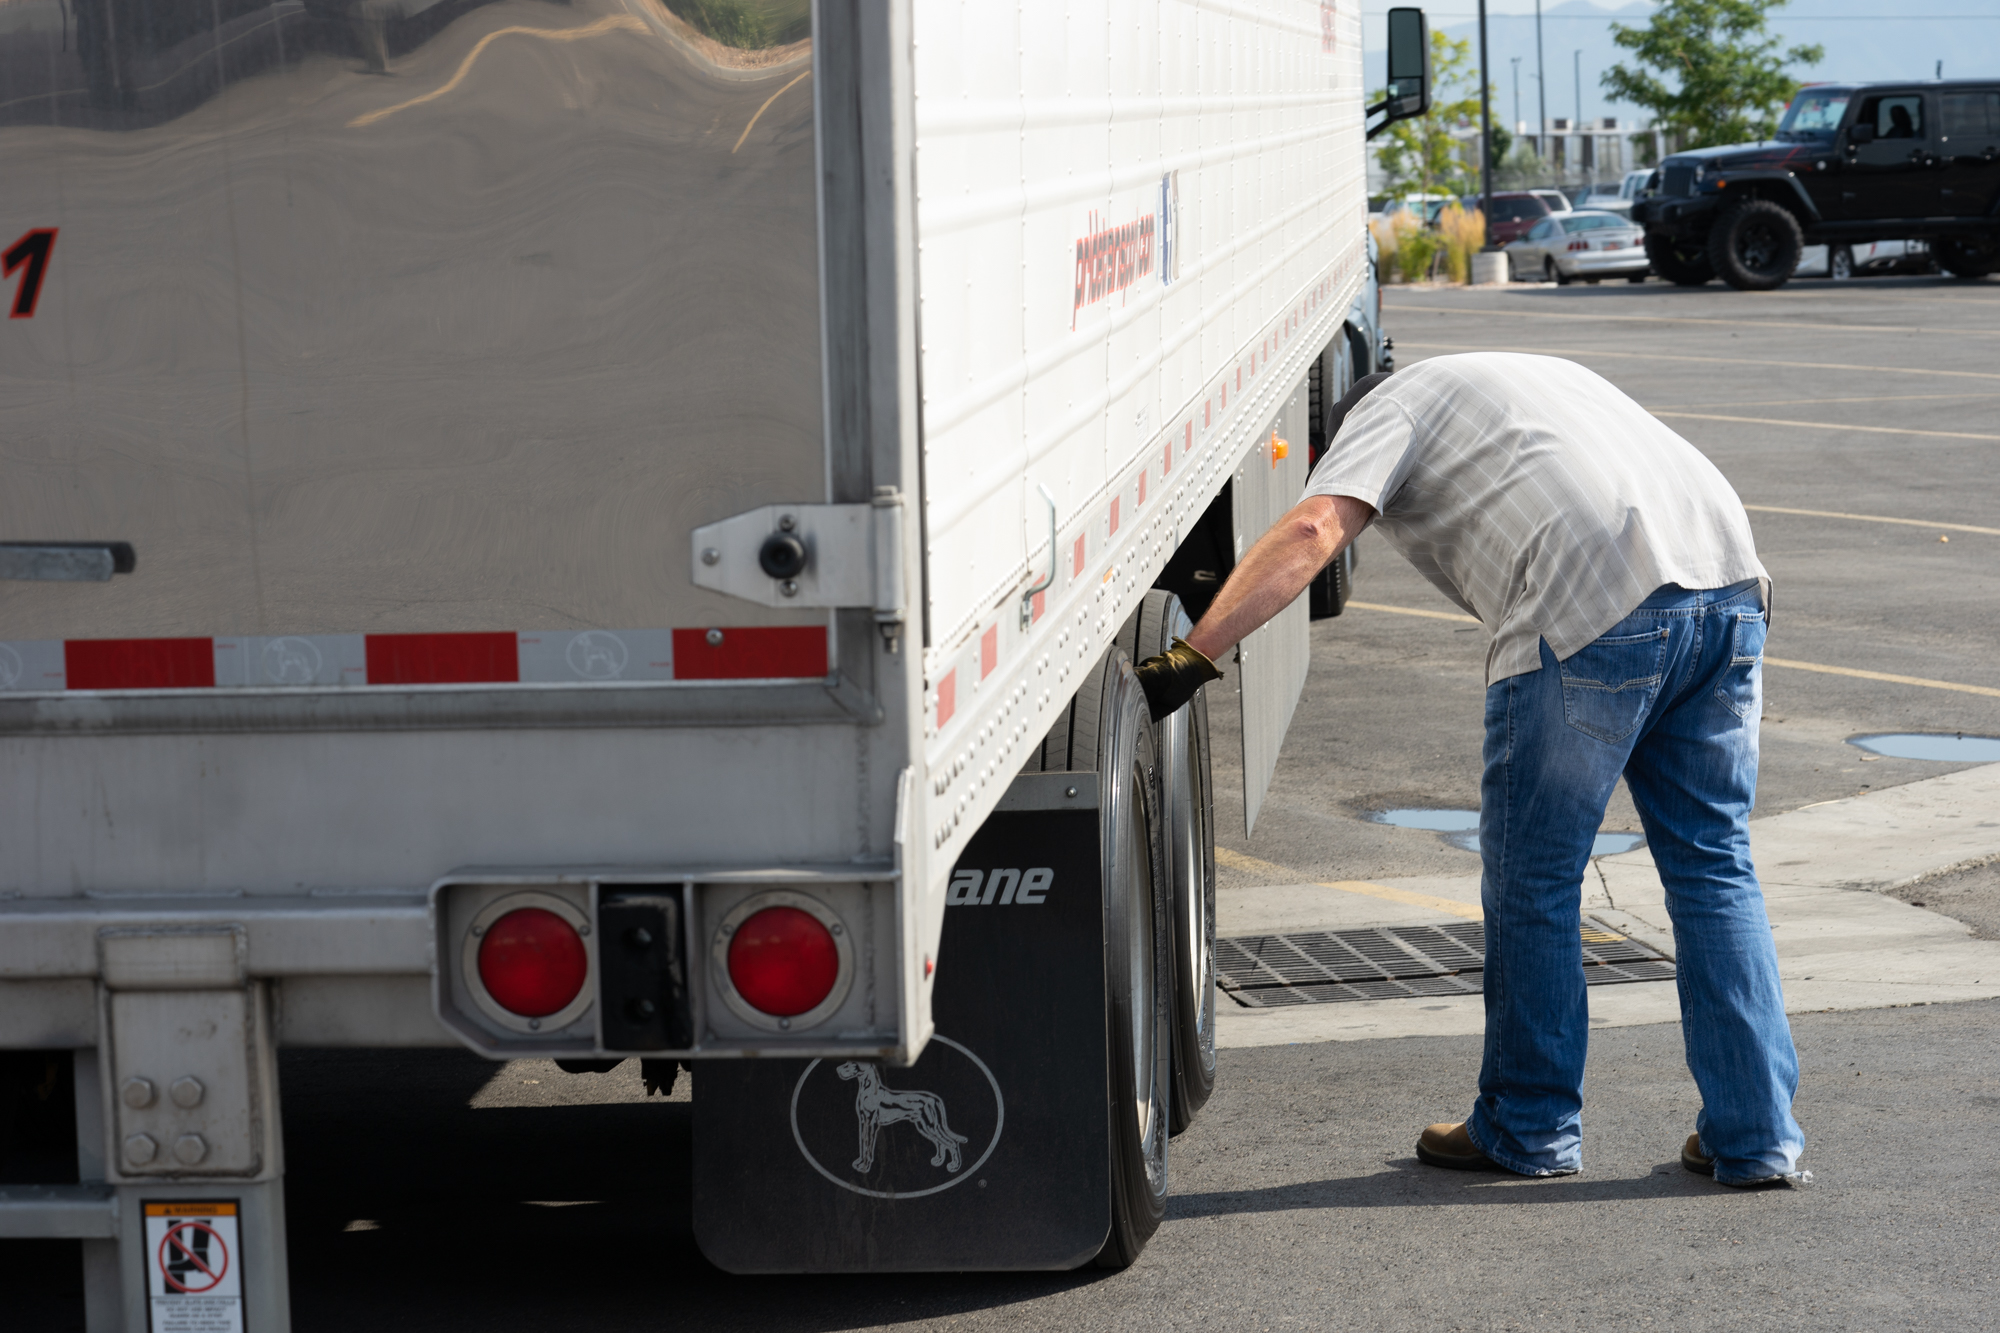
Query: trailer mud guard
<point x="990" y="1152"/>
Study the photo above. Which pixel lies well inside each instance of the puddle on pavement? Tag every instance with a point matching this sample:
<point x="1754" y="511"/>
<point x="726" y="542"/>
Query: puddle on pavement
<point x="1948" y="747"/>
<point x="1461" y="829"/>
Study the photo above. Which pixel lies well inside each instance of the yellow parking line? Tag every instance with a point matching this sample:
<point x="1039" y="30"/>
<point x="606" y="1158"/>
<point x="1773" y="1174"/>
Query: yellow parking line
<point x="1706" y="360"/>
<point x="1826" y="425"/>
<point x="1278" y="874"/>
<point x="614" y="23"/>
<point x="1820" y="667"/>
<point x="1815" y="325"/>
<point x="1875" y="518"/>
<point x="1814" y="402"/>
<point x="1413" y="611"/>
<point x="762" y="109"/>
<point x="1885" y="676"/>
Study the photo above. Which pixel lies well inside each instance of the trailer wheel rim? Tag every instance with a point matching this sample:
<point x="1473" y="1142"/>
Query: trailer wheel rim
<point x="1189" y="865"/>
<point x="1143" y="994"/>
<point x="1140" y="983"/>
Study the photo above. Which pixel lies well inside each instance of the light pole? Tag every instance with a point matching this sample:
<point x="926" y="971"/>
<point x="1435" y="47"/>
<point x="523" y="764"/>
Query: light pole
<point x="1485" y="125"/>
<point x="1517" y="93"/>
<point x="1583" y="144"/>
<point x="1541" y="90"/>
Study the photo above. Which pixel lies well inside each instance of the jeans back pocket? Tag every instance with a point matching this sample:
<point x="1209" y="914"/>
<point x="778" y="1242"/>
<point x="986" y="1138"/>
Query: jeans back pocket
<point x="1740" y="687"/>
<point x="1609" y="685"/>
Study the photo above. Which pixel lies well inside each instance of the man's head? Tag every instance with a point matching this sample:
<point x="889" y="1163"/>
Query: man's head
<point x="1364" y="386"/>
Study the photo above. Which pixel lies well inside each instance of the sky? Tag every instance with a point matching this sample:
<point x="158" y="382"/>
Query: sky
<point x="1864" y="39"/>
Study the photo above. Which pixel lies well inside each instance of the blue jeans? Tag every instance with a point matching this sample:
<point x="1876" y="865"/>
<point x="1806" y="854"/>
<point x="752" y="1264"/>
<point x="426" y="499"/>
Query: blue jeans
<point x="1670" y="698"/>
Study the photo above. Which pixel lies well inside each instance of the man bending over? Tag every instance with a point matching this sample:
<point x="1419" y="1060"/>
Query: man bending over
<point x="1614" y="567"/>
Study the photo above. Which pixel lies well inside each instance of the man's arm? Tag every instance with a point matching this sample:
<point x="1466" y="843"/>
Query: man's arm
<point x="1278" y="568"/>
<point x="1264" y="582"/>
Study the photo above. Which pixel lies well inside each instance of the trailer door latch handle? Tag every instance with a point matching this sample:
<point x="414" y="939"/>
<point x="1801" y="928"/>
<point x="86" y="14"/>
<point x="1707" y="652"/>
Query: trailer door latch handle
<point x="66" y="562"/>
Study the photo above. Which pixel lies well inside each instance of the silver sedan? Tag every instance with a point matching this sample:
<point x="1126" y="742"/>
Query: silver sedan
<point x="1585" y="244"/>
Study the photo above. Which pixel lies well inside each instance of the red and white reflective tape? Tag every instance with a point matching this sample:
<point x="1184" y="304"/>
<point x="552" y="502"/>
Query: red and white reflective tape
<point x="306" y="661"/>
<point x="992" y="644"/>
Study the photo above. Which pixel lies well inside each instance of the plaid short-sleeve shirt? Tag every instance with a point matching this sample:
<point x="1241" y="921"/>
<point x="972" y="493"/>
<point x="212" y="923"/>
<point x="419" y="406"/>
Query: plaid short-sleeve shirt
<point x="1537" y="496"/>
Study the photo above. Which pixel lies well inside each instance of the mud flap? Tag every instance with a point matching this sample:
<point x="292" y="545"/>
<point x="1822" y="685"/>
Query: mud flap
<point x="991" y="1151"/>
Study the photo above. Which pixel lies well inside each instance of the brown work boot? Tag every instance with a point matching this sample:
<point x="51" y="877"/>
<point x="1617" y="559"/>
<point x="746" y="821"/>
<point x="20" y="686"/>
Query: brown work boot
<point x="1692" y="1158"/>
<point x="1449" y="1146"/>
<point x="1695" y="1160"/>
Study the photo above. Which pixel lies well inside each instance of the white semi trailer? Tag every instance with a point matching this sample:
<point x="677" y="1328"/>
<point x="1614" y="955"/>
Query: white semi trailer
<point x="619" y="529"/>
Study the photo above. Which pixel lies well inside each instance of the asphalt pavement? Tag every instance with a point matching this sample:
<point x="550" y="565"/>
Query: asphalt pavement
<point x="448" y="1194"/>
<point x="1874" y="397"/>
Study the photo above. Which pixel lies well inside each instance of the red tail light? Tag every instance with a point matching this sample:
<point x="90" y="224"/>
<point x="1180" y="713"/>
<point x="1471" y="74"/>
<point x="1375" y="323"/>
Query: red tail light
<point x="533" y="962"/>
<point x="783" y="961"/>
<point x="1579" y="245"/>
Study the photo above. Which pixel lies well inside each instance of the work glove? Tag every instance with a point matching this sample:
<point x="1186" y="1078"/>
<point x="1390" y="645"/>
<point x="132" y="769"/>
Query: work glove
<point x="1172" y="678"/>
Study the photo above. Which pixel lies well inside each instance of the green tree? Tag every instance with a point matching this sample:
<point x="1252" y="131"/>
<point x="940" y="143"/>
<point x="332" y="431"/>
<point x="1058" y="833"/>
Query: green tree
<point x="1708" y="69"/>
<point x="1422" y="155"/>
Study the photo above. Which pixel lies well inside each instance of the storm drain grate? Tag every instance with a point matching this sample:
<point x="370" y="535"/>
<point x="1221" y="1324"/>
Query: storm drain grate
<point x="1329" y="966"/>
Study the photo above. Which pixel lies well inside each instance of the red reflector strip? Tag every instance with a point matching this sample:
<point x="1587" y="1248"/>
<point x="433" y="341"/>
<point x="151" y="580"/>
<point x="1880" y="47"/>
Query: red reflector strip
<point x="947" y="697"/>
<point x="443" y="659"/>
<point x="765" y="653"/>
<point x="139" y="664"/>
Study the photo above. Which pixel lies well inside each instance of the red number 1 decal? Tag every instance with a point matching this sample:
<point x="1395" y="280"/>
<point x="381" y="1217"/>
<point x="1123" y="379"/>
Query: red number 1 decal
<point x="32" y="250"/>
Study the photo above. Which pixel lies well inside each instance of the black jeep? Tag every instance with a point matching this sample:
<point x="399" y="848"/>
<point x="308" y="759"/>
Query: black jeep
<point x="1854" y="163"/>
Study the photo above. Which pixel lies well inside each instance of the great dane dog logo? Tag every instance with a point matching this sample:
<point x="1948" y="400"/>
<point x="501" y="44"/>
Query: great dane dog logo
<point x="597" y="655"/>
<point x="876" y="1105"/>
<point x="291" y="661"/>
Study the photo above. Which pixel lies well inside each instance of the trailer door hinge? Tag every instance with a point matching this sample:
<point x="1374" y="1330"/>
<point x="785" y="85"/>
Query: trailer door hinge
<point x="846" y="555"/>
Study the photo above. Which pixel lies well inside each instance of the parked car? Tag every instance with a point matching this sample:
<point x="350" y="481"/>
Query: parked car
<point x="1557" y="201"/>
<point x="1564" y="247"/>
<point x="1426" y="207"/>
<point x="1511" y="214"/>
<point x="1605" y="201"/>
<point x="1840" y="262"/>
<point x="1851" y="164"/>
<point x="1634" y="183"/>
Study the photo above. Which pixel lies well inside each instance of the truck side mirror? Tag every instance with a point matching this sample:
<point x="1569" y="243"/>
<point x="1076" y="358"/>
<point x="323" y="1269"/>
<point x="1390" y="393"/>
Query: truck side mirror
<point x="1409" y="68"/>
<point x="1862" y="133"/>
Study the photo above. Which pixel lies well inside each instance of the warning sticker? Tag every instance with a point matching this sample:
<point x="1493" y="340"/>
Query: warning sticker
<point x="194" y="1270"/>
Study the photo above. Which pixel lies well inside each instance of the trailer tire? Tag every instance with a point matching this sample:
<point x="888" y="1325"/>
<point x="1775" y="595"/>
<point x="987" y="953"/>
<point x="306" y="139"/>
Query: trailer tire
<point x="1108" y="730"/>
<point x="1183" y="794"/>
<point x="1326" y="595"/>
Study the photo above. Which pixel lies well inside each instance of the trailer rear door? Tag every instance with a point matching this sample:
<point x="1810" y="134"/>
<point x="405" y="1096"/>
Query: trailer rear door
<point x="405" y="345"/>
